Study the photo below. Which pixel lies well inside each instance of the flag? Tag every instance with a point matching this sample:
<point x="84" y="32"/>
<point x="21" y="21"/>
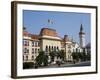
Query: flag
<point x="50" y="21"/>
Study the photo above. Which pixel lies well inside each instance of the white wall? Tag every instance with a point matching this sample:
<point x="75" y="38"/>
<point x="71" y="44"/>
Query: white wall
<point x="5" y="41"/>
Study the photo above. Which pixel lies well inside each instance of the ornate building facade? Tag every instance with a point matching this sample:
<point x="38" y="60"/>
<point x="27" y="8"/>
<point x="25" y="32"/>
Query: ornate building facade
<point x="49" y="40"/>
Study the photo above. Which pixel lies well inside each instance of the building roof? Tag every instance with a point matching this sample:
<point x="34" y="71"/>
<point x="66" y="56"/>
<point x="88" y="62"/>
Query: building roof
<point x="51" y="33"/>
<point x="25" y="33"/>
<point x="48" y="32"/>
<point x="34" y="36"/>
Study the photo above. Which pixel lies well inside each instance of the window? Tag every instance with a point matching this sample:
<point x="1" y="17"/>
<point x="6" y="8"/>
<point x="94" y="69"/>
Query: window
<point x="57" y="48"/>
<point x="32" y="50"/>
<point x="46" y="49"/>
<point x="26" y="43"/>
<point x="35" y="44"/>
<point x="54" y="48"/>
<point x="25" y="50"/>
<point x="38" y="44"/>
<point x="32" y="57"/>
<point x="35" y="50"/>
<point x="26" y="58"/>
<point x="32" y="43"/>
<point x="49" y="48"/>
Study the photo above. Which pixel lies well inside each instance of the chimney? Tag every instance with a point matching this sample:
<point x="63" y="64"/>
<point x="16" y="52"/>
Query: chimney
<point x="65" y="37"/>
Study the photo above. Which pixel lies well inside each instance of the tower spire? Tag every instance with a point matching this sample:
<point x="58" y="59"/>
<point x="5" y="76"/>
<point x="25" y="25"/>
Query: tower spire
<point x="82" y="36"/>
<point x="81" y="28"/>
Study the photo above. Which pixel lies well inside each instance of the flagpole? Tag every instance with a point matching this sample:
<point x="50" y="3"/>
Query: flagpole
<point x="49" y="22"/>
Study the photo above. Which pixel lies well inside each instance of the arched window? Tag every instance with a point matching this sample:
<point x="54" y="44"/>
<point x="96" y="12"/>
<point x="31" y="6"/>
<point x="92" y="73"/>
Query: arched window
<point x="49" y="48"/>
<point x="54" y="48"/>
<point x="46" y="49"/>
<point x="57" y="48"/>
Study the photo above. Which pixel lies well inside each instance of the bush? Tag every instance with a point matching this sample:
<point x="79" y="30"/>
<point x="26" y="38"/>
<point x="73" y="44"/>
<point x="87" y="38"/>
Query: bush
<point x="28" y="65"/>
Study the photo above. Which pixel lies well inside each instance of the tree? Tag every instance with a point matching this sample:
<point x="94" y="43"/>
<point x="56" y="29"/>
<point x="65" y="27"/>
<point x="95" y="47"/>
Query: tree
<point x="80" y="54"/>
<point x="52" y="55"/>
<point x="75" y="56"/>
<point x="42" y="58"/>
<point x="84" y="54"/>
<point x="61" y="54"/>
<point x="88" y="56"/>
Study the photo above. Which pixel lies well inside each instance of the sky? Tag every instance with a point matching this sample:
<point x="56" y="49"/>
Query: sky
<point x="65" y="23"/>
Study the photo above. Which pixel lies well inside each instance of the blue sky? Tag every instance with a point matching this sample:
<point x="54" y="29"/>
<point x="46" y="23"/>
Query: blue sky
<point x="64" y="22"/>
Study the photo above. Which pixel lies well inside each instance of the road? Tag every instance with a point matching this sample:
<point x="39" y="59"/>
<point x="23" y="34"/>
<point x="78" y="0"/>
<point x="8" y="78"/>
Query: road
<point x="87" y="63"/>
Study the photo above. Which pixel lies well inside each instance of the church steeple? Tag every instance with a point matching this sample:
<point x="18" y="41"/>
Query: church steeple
<point x="82" y="36"/>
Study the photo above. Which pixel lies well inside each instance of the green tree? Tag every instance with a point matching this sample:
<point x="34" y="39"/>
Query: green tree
<point x="52" y="55"/>
<point x="80" y="55"/>
<point x="42" y="58"/>
<point x="75" y="56"/>
<point x="61" y="54"/>
<point x="88" y="56"/>
<point x="84" y="54"/>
